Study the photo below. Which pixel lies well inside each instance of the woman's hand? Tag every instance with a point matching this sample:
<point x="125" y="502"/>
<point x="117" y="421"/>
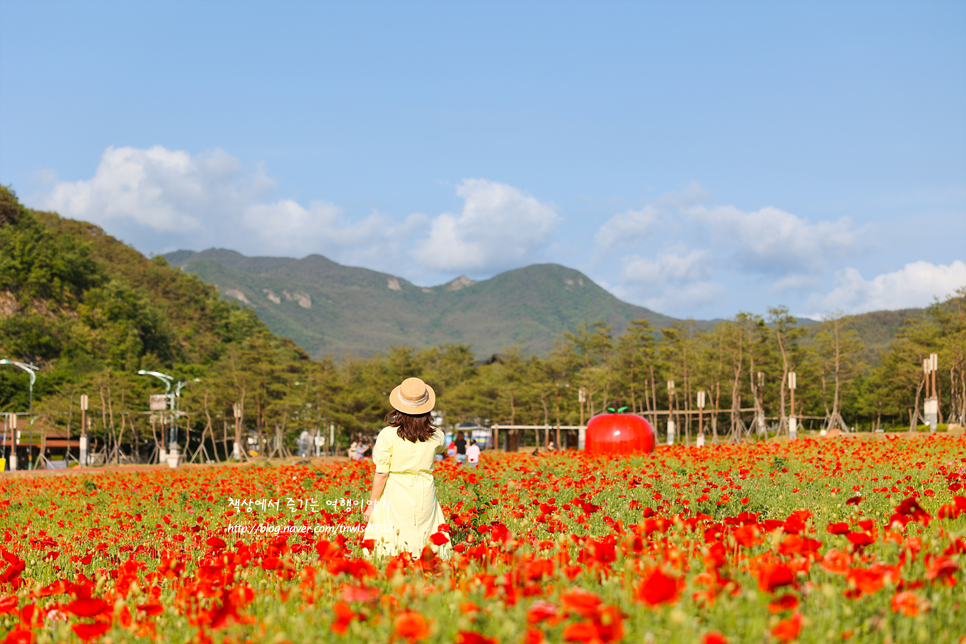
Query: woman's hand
<point x="378" y="485"/>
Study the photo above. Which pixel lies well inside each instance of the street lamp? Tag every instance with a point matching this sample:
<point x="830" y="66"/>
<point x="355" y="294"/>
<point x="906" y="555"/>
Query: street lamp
<point x="29" y="368"/>
<point x="167" y="380"/>
<point x="32" y="371"/>
<point x="670" y="412"/>
<point x="177" y="394"/>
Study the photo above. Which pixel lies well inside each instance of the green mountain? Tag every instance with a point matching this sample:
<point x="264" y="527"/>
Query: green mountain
<point x="329" y="308"/>
<point x="87" y="308"/>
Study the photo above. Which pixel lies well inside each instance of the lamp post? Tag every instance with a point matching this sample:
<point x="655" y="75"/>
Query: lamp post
<point x="83" y="438"/>
<point x="670" y="412"/>
<point x="32" y="371"/>
<point x="931" y="366"/>
<point x="177" y="394"/>
<point x="12" y="424"/>
<point x="172" y="455"/>
<point x="792" y="422"/>
<point x="701" y="397"/>
<point x="582" y="431"/>
<point x="167" y="380"/>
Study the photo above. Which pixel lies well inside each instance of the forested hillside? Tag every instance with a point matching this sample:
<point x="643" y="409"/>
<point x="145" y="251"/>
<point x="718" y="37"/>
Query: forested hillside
<point x="328" y="308"/>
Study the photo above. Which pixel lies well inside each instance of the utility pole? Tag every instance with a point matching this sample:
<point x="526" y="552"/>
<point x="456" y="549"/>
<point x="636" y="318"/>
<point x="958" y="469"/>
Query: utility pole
<point x="237" y="452"/>
<point x="931" y="365"/>
<point x="83" y="439"/>
<point x="701" y="395"/>
<point x="12" y="422"/>
<point x="670" y="412"/>
<point x="582" y="398"/>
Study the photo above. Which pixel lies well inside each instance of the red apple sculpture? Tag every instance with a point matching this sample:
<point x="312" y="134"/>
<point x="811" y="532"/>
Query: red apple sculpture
<point x="618" y="433"/>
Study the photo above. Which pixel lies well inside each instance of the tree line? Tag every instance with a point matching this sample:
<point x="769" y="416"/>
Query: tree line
<point x="92" y="312"/>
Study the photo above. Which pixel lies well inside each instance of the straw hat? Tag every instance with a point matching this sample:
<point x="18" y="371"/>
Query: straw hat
<point x="413" y="397"/>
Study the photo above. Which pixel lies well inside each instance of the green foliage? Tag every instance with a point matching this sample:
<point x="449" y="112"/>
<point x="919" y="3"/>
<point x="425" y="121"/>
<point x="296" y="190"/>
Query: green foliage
<point x="36" y="264"/>
<point x="92" y="311"/>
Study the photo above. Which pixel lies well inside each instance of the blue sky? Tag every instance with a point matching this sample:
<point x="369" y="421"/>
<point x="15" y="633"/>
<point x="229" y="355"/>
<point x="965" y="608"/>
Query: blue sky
<point x="697" y="158"/>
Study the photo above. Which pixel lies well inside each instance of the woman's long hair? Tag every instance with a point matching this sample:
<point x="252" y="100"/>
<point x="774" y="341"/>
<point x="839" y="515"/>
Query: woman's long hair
<point x="415" y="429"/>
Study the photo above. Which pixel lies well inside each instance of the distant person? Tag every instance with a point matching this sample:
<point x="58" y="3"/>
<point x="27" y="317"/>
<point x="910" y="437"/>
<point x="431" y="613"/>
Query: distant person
<point x="472" y="454"/>
<point x="460" y="443"/>
<point x="451" y="450"/>
<point x="353" y="451"/>
<point x="303" y="444"/>
<point x="551" y="447"/>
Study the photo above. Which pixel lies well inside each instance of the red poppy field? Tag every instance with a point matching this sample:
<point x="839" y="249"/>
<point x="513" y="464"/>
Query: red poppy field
<point x="810" y="541"/>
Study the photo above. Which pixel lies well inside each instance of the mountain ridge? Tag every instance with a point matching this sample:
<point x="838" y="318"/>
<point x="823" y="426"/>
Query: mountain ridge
<point x="327" y="307"/>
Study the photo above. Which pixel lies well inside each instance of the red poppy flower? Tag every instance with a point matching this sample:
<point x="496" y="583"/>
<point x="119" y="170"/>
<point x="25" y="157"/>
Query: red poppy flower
<point x="910" y="508"/>
<point x="438" y="538"/>
<point x="866" y="580"/>
<point x="909" y="603"/>
<point x="783" y="603"/>
<point x="216" y="543"/>
<point x="88" y="607"/>
<point x="581" y="601"/>
<point x="88" y="632"/>
<point x="788" y="629"/>
<point x="533" y="636"/>
<point x="19" y="635"/>
<point x="8" y="605"/>
<point x="581" y="632"/>
<point x="836" y="561"/>
<point x="343" y="617"/>
<point x="774" y="575"/>
<point x="837" y="528"/>
<point x="658" y="588"/>
<point x="151" y="609"/>
<point x="542" y="610"/>
<point x="942" y="568"/>
<point x="860" y="538"/>
<point x="412" y="627"/>
<point x="714" y="637"/>
<point x="360" y="593"/>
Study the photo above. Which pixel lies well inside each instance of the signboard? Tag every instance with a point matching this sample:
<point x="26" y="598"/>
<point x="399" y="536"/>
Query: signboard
<point x="159" y="402"/>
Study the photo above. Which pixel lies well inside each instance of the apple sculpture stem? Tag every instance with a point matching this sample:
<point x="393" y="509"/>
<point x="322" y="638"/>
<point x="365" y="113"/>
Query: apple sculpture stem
<point x="619" y="433"/>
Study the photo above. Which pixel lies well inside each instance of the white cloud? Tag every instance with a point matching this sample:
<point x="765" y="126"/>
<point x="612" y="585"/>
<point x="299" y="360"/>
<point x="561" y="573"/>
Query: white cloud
<point x="774" y="241"/>
<point x="672" y="265"/>
<point x="631" y="226"/>
<point x="914" y="285"/>
<point x="676" y="279"/>
<point x="159" y="200"/>
<point x="286" y="227"/>
<point x="500" y="227"/>
<point x="626" y="228"/>
<point x="159" y="189"/>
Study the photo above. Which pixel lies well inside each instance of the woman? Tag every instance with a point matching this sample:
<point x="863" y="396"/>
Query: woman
<point x="403" y="511"/>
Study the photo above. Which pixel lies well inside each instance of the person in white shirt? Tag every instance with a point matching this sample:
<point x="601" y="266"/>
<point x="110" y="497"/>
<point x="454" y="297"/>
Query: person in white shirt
<point x="472" y="454"/>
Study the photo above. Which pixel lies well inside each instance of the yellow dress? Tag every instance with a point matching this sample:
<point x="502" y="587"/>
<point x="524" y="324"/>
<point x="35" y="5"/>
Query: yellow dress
<point x="408" y="512"/>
